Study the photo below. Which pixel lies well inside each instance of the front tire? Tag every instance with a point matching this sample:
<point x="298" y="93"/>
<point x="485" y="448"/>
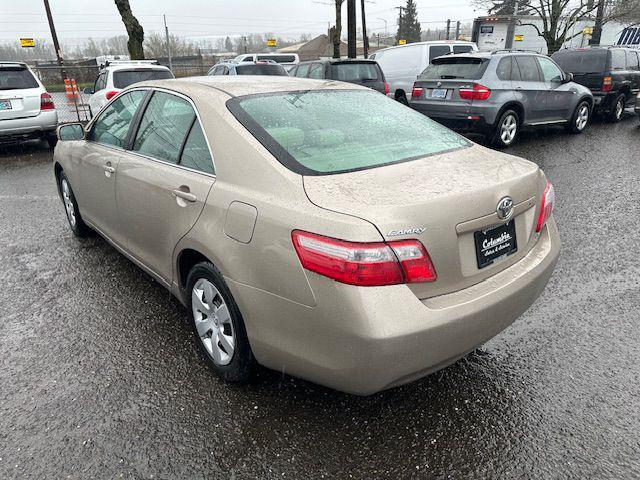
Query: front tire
<point x="77" y="225"/>
<point x="507" y="129"/>
<point x="218" y="324"/>
<point x="618" y="108"/>
<point x="580" y="118"/>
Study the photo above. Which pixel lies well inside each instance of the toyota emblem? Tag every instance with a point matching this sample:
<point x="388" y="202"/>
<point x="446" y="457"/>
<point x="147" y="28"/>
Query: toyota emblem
<point x="505" y="208"/>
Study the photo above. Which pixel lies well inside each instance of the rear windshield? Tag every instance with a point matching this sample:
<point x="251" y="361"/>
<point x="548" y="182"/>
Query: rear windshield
<point x="124" y="78"/>
<point x="278" y="58"/>
<point x="16" y="78"/>
<point x="333" y="131"/>
<point x="581" y="61"/>
<point x="266" y="69"/>
<point x="455" y="67"/>
<point x="355" y="72"/>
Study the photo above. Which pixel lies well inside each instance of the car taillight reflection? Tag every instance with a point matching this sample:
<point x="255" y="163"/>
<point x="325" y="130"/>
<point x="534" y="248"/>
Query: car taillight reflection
<point x="546" y="206"/>
<point x="476" y="92"/>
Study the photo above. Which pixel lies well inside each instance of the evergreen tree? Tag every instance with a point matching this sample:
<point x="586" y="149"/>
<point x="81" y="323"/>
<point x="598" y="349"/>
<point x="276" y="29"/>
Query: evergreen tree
<point x="408" y="24"/>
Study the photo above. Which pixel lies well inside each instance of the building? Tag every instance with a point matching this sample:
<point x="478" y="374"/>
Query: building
<point x="322" y="47"/>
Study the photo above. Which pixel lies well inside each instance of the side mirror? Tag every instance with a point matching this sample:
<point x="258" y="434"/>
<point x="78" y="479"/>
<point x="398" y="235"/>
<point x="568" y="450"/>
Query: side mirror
<point x="568" y="77"/>
<point x="88" y="90"/>
<point x="70" y="131"/>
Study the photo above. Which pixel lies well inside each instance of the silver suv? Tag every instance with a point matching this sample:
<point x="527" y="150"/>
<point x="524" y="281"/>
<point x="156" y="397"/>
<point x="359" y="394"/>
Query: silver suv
<point x="497" y="94"/>
<point x="26" y="109"/>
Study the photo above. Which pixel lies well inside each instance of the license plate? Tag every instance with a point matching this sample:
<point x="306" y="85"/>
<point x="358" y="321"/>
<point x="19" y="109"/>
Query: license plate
<point x="5" y="105"/>
<point x="439" y="93"/>
<point x="495" y="243"/>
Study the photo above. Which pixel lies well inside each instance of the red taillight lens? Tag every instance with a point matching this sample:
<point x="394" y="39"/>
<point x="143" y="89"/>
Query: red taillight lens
<point x="364" y="264"/>
<point x="46" y="102"/>
<point x="111" y="93"/>
<point x="386" y="88"/>
<point x="546" y="206"/>
<point x="417" y="92"/>
<point x="607" y="84"/>
<point x="477" y="92"/>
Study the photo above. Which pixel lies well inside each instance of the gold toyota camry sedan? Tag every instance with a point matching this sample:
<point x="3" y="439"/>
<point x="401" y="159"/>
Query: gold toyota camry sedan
<point x="315" y="227"/>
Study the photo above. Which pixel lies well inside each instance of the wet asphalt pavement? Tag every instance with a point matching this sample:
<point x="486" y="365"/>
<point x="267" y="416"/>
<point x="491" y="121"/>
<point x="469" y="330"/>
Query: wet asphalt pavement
<point x="101" y="378"/>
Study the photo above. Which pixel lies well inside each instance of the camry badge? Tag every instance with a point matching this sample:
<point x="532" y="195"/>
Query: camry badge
<point x="505" y="208"/>
<point x="406" y="231"/>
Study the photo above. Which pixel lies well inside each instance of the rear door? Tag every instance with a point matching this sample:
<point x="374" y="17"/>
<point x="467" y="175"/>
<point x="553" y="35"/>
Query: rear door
<point x="19" y="92"/>
<point x="163" y="181"/>
<point x="530" y="89"/>
<point x="634" y="68"/>
<point x="559" y="94"/>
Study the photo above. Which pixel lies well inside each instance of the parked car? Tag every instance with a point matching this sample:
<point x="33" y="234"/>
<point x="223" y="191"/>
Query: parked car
<point x="118" y="75"/>
<point x="26" y="109"/>
<point x="283" y="59"/>
<point x="612" y="74"/>
<point x="497" y="94"/>
<point x="402" y="64"/>
<point x="261" y="67"/>
<point x="320" y="228"/>
<point x="359" y="71"/>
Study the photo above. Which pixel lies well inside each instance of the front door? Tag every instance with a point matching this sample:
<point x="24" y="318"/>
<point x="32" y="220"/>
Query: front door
<point x="559" y="95"/>
<point x="163" y="182"/>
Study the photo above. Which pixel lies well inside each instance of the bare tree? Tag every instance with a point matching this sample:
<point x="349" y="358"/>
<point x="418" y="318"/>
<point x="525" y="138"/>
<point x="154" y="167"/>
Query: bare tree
<point x="337" y="30"/>
<point x="625" y="11"/>
<point x="134" y="29"/>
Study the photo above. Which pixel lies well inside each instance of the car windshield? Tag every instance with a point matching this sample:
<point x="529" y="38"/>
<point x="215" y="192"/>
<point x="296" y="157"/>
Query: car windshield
<point x="16" y="78"/>
<point x="124" y="78"/>
<point x="455" y="67"/>
<point x="355" y="72"/>
<point x="261" y="69"/>
<point x="581" y="61"/>
<point x="332" y="131"/>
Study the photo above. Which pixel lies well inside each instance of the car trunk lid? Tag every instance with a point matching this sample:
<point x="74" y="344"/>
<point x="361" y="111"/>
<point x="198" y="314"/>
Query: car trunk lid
<point x="19" y="93"/>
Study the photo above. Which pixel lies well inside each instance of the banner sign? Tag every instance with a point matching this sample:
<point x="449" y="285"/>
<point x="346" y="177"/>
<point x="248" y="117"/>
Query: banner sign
<point x="629" y="36"/>
<point x="27" y="42"/>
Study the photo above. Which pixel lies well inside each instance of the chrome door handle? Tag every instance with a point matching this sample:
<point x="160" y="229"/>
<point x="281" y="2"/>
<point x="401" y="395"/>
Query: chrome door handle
<point x="186" y="196"/>
<point x="109" y="169"/>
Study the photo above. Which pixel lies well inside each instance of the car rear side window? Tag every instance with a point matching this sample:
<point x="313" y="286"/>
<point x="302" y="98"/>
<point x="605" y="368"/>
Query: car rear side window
<point x="195" y="153"/>
<point x="528" y="68"/>
<point x="632" y="60"/>
<point x="16" y="78"/>
<point x="124" y="78"/>
<point x="303" y="70"/>
<point x="332" y="131"/>
<point x="462" y="48"/>
<point x="581" y="61"/>
<point x="261" y="69"/>
<point x="356" y="72"/>
<point x="164" y="126"/>
<point x="438" y="51"/>
<point x="112" y="126"/>
<point x="316" y="71"/>
<point x="455" y="67"/>
<point x="618" y="59"/>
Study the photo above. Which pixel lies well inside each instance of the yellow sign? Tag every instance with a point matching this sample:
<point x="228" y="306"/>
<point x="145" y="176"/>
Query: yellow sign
<point x="402" y="41"/>
<point x="27" y="42"/>
<point x="462" y="36"/>
<point x="587" y="31"/>
<point x="518" y="38"/>
<point x="272" y="42"/>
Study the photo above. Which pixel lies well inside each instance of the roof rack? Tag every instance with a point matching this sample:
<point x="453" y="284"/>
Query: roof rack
<point x="512" y="50"/>
<point x="130" y="62"/>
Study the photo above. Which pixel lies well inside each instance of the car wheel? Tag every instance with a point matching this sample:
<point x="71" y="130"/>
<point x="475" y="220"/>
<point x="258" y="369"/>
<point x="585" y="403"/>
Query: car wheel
<point x="52" y="140"/>
<point x="402" y="98"/>
<point x="78" y="227"/>
<point x="507" y="129"/>
<point x="580" y="118"/>
<point x="218" y="325"/>
<point x="618" y="108"/>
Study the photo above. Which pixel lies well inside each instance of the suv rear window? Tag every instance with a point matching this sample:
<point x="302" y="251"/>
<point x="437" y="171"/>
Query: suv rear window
<point x="581" y="61"/>
<point x="124" y="78"/>
<point x="355" y="72"/>
<point x="455" y="67"/>
<point x="321" y="132"/>
<point x="16" y="78"/>
<point x="266" y="69"/>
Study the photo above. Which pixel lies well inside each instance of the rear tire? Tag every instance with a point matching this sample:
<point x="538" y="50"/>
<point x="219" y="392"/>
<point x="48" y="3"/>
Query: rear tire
<point x="52" y="140"/>
<point x="507" y="129"/>
<point x="618" y="108"/>
<point x="580" y="118"/>
<point x="218" y="325"/>
<point x="77" y="225"/>
<point x="402" y="98"/>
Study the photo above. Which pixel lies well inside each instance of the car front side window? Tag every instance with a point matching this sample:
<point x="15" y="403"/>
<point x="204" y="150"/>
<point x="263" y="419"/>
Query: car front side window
<point x="112" y="126"/>
<point x="550" y="72"/>
<point x="164" y="127"/>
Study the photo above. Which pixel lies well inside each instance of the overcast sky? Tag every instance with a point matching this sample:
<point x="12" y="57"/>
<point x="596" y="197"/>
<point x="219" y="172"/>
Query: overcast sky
<point x="210" y="18"/>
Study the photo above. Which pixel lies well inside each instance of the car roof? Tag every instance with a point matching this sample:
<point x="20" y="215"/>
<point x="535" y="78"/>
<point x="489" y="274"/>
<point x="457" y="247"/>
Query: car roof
<point x="429" y="42"/>
<point x="134" y="65"/>
<point x="12" y="64"/>
<point x="340" y="60"/>
<point x="236" y="86"/>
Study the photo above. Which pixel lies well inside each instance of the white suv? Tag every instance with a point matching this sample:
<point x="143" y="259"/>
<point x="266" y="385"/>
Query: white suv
<point x="118" y="75"/>
<point x="26" y="109"/>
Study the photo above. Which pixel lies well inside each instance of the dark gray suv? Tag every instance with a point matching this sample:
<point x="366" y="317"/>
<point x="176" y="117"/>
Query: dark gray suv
<point x="499" y="93"/>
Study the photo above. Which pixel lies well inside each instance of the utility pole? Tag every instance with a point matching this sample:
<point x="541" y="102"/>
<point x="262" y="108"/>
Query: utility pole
<point x="448" y="29"/>
<point x="54" y="36"/>
<point x="597" y="28"/>
<point x="511" y="29"/>
<point x="400" y="31"/>
<point x="351" y="29"/>
<point x="365" y="37"/>
<point x="457" y="30"/>
<point x="166" y="33"/>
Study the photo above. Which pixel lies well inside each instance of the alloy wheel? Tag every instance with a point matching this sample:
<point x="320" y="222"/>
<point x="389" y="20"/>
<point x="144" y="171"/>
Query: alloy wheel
<point x="213" y="322"/>
<point x="619" y="109"/>
<point x="583" y="117"/>
<point x="68" y="203"/>
<point x="508" y="129"/>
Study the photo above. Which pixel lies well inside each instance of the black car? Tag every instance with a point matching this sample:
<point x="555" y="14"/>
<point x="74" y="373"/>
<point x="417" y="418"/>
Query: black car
<point x="611" y="73"/>
<point x="359" y="71"/>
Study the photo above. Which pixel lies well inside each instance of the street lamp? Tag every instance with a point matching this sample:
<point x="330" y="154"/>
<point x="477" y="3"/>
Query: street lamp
<point x="386" y="33"/>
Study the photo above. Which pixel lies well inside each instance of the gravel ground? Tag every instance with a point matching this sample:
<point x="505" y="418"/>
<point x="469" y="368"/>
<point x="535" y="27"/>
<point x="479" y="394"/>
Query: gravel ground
<point x="100" y="376"/>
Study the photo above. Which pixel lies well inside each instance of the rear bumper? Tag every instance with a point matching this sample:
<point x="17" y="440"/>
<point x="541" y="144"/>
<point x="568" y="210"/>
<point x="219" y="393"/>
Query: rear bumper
<point x="363" y="340"/>
<point x="464" y="118"/>
<point x="603" y="102"/>
<point x="29" y="127"/>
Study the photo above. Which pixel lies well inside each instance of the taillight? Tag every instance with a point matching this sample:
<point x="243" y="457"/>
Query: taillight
<point x="476" y="92"/>
<point x="607" y="84"/>
<point x="364" y="264"/>
<point x="386" y="88"/>
<point x="46" y="102"/>
<point x="546" y="206"/>
<point x="111" y="93"/>
<point x="417" y="92"/>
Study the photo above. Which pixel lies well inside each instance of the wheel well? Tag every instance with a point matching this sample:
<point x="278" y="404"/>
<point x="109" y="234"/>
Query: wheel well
<point x="626" y="89"/>
<point x="186" y="261"/>
<point x="57" y="169"/>
<point x="399" y="93"/>
<point x="589" y="100"/>
<point x="512" y="106"/>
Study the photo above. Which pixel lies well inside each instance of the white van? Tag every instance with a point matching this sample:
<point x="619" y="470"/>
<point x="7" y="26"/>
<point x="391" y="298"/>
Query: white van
<point x="281" y="58"/>
<point x="402" y="64"/>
